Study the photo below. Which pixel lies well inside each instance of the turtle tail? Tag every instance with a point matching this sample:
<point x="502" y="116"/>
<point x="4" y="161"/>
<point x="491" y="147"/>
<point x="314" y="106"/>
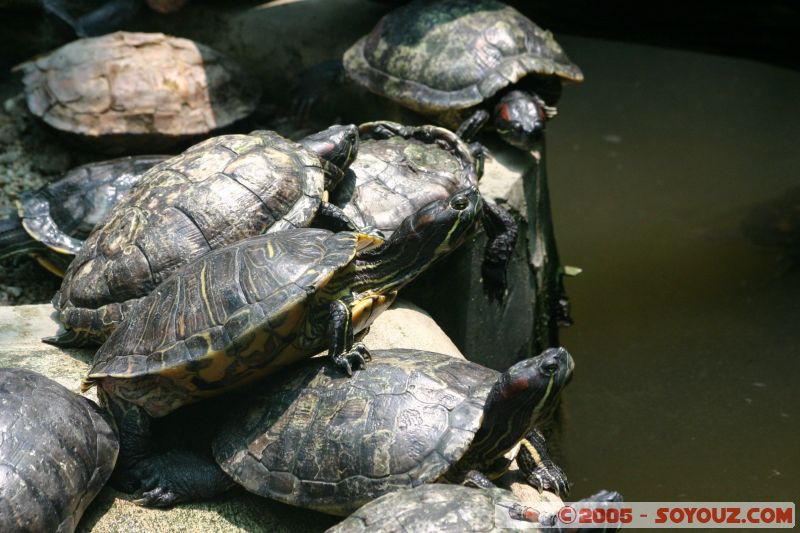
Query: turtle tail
<point x="14" y="240"/>
<point x="72" y="339"/>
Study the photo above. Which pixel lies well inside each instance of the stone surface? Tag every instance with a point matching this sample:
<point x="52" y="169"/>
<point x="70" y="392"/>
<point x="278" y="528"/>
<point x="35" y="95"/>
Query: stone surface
<point x="22" y="327"/>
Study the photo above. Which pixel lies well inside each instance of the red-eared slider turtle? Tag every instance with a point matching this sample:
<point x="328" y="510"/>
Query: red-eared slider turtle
<point x="328" y="442"/>
<point x="57" y="450"/>
<point x="52" y="222"/>
<point x="216" y="193"/>
<point x="402" y="168"/>
<point x="455" y="509"/>
<point x="247" y="310"/>
<point x="137" y="90"/>
<point x="458" y="59"/>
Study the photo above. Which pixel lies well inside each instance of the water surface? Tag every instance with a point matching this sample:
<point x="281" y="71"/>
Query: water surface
<point x="687" y="334"/>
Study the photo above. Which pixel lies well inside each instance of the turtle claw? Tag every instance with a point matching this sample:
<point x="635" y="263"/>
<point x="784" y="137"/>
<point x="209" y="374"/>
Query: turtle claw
<point x="364" y="352"/>
<point x="173" y="477"/>
<point x="549" y="477"/>
<point x="158" y="497"/>
<point x="356" y="358"/>
<point x="343" y="364"/>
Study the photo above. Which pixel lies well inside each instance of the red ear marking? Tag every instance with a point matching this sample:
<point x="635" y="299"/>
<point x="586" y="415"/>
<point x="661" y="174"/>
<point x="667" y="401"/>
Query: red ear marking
<point x="514" y="387"/>
<point x="531" y="515"/>
<point x="504" y="112"/>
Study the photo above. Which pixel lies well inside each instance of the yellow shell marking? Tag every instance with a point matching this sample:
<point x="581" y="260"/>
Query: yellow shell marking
<point x="368" y="306"/>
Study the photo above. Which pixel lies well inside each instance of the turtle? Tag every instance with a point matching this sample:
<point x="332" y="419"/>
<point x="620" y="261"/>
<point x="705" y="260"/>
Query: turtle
<point x="454" y="508"/>
<point x="217" y="192"/>
<point x="247" y="310"/>
<point x="401" y="168"/>
<point x="315" y="437"/>
<point x="458" y="60"/>
<point x="52" y="222"/>
<point x="137" y="91"/>
<point x="57" y="450"/>
<point x="331" y="444"/>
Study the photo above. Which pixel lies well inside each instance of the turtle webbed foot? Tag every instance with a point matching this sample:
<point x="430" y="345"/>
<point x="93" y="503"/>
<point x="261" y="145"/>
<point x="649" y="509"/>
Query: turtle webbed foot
<point x="357" y="357"/>
<point x="159" y="497"/>
<point x="549" y="476"/>
<point x="501" y="232"/>
<point x="173" y="477"/>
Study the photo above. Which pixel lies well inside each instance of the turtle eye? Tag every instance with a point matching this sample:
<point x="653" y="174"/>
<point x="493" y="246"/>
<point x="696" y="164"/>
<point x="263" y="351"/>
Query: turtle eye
<point x="550" y="368"/>
<point x="460" y="203"/>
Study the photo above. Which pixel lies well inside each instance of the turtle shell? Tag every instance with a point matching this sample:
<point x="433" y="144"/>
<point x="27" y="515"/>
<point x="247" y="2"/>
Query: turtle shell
<point x="435" y="507"/>
<point x="228" y="318"/>
<point x="329" y="442"/>
<point x="217" y="192"/>
<point x="57" y="450"/>
<point x="135" y="86"/>
<point x="435" y="57"/>
<point x="400" y="169"/>
<point x="62" y="214"/>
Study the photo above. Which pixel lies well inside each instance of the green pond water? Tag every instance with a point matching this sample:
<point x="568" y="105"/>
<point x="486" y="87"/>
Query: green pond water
<point x="687" y="332"/>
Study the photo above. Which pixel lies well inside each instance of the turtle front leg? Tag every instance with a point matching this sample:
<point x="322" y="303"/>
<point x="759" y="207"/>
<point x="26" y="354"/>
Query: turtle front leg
<point x="475" y="123"/>
<point x="159" y="480"/>
<point x="344" y="351"/>
<point x="501" y="229"/>
<point x="178" y="476"/>
<point x="535" y="463"/>
<point x="135" y="439"/>
<point x="478" y="480"/>
<point x="333" y="218"/>
<point x="480" y="153"/>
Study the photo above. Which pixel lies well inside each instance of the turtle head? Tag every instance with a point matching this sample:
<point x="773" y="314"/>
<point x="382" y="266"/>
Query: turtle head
<point x="535" y="384"/>
<point x="522" y="396"/>
<point x="423" y="237"/>
<point x="338" y="146"/>
<point x="519" y="118"/>
<point x="441" y="226"/>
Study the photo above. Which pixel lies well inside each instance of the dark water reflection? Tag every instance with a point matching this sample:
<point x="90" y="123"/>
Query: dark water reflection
<point x="687" y="335"/>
